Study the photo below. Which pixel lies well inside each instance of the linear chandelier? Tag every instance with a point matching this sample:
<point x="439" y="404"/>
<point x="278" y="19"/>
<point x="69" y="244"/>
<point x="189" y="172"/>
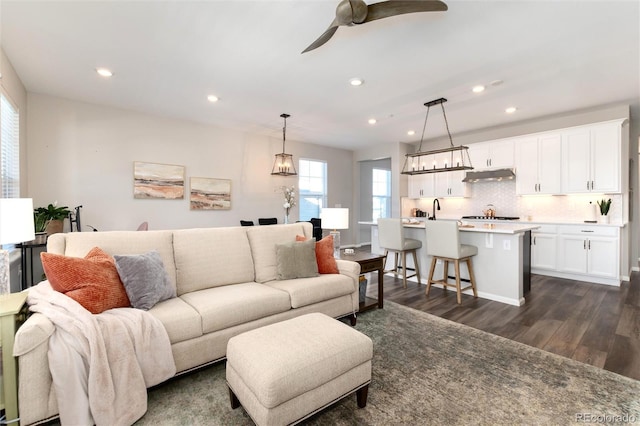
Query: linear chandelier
<point x="448" y="159"/>
<point x="283" y="166"/>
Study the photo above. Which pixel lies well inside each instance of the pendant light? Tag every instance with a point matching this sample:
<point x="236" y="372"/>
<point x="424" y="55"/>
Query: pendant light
<point x="283" y="166"/>
<point x="438" y="160"/>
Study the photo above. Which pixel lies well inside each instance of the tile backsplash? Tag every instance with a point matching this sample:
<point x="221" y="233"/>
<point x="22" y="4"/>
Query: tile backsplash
<point x="534" y="207"/>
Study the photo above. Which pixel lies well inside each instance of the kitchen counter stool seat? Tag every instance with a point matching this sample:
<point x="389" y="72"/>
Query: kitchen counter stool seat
<point x="443" y="242"/>
<point x="391" y="238"/>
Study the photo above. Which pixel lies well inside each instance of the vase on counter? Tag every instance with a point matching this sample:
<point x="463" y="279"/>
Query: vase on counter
<point x="286" y="216"/>
<point x="603" y="219"/>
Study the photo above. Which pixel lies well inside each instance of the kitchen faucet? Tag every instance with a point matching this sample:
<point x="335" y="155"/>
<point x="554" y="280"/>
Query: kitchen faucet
<point x="433" y="213"/>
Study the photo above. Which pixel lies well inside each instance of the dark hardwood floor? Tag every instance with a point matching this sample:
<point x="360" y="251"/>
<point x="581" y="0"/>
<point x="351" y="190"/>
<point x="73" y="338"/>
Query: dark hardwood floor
<point x="592" y="323"/>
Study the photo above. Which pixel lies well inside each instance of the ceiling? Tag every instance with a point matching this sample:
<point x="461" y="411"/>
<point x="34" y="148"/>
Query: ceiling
<point x="552" y="56"/>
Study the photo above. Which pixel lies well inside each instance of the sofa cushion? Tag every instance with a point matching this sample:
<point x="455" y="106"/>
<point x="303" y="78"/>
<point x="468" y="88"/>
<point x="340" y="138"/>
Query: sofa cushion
<point x="117" y="242"/>
<point x="263" y="241"/>
<point x="92" y="281"/>
<point x="306" y="291"/>
<point x="180" y="319"/>
<point x="226" y="306"/>
<point x="211" y="257"/>
<point x="296" y="260"/>
<point x="145" y="279"/>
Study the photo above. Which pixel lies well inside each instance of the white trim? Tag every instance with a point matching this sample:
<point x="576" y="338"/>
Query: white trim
<point x="615" y="282"/>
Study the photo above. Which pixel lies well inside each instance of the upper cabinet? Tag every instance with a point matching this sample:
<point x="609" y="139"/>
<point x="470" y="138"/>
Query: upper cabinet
<point x="591" y="159"/>
<point x="421" y="186"/>
<point x="449" y="184"/>
<point x="492" y="155"/>
<point x="539" y="164"/>
<point x="441" y="184"/>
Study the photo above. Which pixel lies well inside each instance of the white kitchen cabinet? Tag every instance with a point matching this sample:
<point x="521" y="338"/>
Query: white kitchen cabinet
<point x="492" y="155"/>
<point x="421" y="186"/>
<point x="544" y="248"/>
<point x="592" y="251"/>
<point x="539" y="164"/>
<point x="449" y="184"/>
<point x="591" y="158"/>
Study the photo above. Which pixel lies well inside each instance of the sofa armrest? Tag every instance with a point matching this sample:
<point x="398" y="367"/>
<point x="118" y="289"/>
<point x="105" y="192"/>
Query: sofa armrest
<point x="36" y="396"/>
<point x="350" y="269"/>
<point x="36" y="330"/>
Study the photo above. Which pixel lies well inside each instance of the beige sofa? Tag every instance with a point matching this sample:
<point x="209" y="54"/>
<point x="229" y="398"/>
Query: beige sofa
<point x="226" y="284"/>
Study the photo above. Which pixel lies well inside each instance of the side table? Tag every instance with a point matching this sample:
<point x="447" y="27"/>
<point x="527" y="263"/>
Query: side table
<point x="13" y="312"/>
<point x="369" y="262"/>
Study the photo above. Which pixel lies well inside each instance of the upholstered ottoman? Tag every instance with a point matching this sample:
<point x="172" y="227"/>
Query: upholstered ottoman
<point x="285" y="372"/>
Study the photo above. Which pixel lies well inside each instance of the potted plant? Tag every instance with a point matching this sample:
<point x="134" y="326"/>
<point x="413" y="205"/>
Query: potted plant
<point x="49" y="220"/>
<point x="604" y="205"/>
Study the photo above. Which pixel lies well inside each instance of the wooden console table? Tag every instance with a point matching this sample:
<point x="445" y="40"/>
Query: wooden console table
<point x="370" y="262"/>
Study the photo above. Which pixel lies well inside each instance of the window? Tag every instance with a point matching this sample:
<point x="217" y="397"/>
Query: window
<point x="313" y="187"/>
<point x="9" y="149"/>
<point x="381" y="191"/>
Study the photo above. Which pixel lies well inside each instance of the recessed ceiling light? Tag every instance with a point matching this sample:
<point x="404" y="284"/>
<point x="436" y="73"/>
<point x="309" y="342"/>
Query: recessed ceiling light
<point x="372" y="121"/>
<point x="496" y="82"/>
<point x="212" y="98"/>
<point x="477" y="89"/>
<point x="510" y="110"/>
<point x="104" y="72"/>
<point x="411" y="132"/>
<point x="356" y="81"/>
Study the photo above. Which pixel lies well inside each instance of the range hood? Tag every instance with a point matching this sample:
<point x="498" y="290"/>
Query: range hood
<point x="488" y="175"/>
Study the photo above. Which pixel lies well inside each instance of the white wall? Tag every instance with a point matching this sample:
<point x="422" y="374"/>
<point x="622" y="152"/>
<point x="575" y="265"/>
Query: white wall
<point x="83" y="154"/>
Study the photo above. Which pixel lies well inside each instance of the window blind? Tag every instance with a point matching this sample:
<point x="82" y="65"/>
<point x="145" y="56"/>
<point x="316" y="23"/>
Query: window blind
<point x="9" y="148"/>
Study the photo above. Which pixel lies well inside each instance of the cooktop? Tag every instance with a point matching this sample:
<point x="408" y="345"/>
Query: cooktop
<point x="491" y="218"/>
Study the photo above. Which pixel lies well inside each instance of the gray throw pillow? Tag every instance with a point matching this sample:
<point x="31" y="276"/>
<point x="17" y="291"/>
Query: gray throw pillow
<point x="145" y="279"/>
<point x="296" y="260"/>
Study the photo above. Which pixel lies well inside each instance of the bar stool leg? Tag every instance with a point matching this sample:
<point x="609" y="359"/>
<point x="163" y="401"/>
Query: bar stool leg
<point x="395" y="263"/>
<point x="459" y="293"/>
<point x="472" y="277"/>
<point x="430" y="278"/>
<point x="404" y="269"/>
<point x="415" y="263"/>
<point x="445" y="274"/>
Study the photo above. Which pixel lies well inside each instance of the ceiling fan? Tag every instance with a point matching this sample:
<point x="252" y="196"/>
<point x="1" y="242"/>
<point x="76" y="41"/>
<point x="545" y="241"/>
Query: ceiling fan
<point x="356" y="12"/>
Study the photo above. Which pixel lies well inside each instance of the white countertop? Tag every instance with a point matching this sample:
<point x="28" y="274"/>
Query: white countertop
<point x="489" y="228"/>
<point x="518" y="222"/>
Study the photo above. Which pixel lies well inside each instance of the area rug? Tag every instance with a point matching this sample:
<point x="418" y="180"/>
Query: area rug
<point x="428" y="370"/>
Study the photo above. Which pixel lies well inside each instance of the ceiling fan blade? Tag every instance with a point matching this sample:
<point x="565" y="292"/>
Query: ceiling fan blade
<point x="323" y="38"/>
<point x="389" y="8"/>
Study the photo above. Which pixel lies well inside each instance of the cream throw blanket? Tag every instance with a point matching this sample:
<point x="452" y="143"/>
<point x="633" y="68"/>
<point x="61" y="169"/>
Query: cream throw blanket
<point x="102" y="364"/>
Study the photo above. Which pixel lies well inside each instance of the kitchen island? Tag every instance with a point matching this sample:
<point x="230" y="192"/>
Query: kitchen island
<point x="502" y="266"/>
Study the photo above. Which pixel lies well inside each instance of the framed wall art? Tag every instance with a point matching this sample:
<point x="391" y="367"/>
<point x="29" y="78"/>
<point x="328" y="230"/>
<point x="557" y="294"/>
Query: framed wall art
<point x="210" y="194"/>
<point x="158" y="181"/>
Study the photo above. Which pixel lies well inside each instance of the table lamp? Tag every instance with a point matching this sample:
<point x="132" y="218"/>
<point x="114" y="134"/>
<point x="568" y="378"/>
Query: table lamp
<point x="16" y="226"/>
<point x="335" y="218"/>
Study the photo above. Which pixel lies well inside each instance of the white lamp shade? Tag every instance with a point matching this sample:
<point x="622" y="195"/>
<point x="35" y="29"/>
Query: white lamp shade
<point x="16" y="220"/>
<point x="335" y="218"/>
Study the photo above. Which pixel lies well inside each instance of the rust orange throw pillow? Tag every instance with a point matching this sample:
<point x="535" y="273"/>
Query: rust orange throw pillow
<point x="92" y="281"/>
<point x="324" y="255"/>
